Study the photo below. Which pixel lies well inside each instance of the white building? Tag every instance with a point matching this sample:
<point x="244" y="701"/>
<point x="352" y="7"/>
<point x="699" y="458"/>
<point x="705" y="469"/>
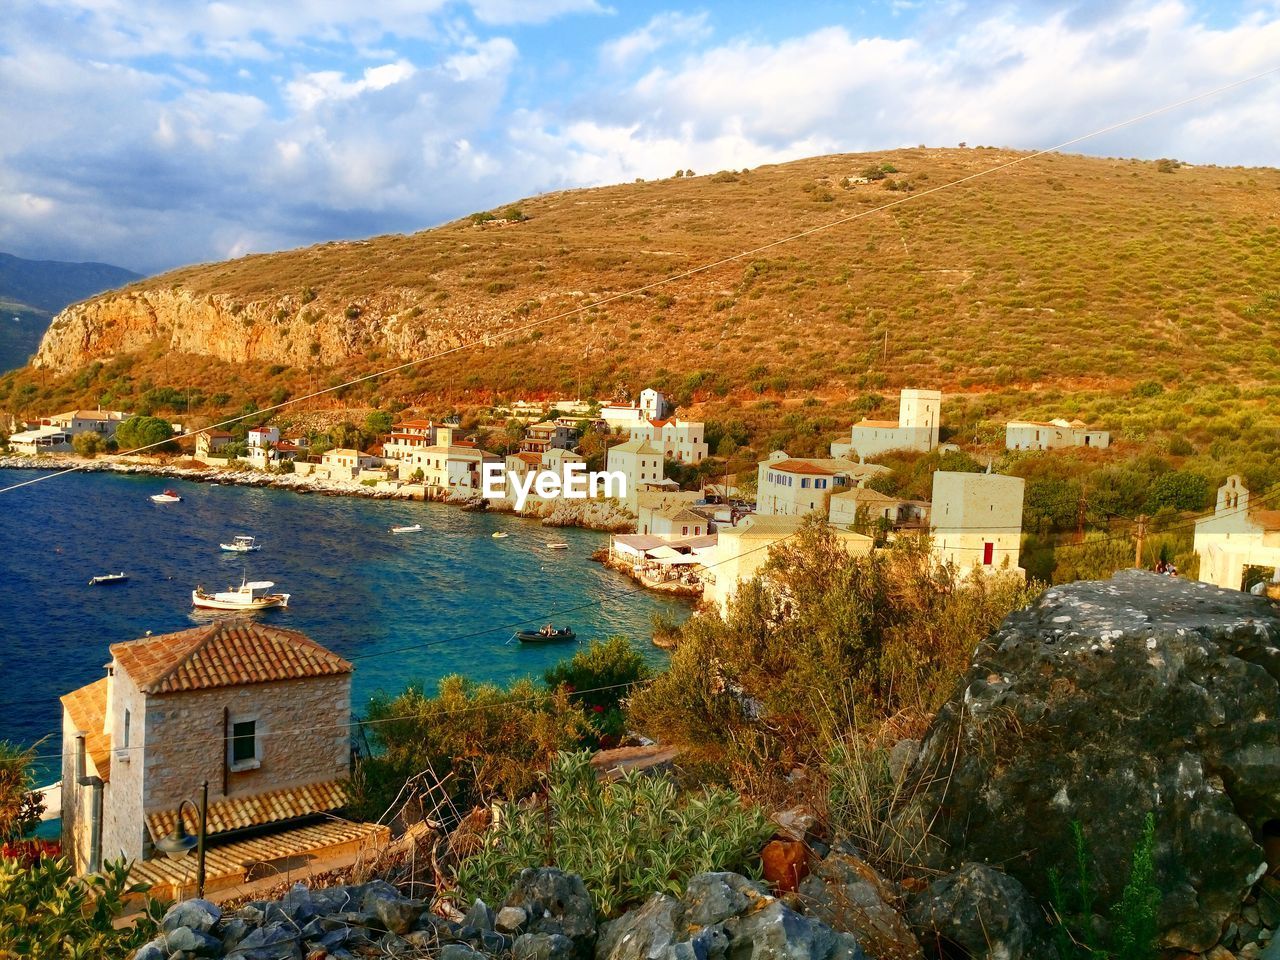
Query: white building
<point x="1036" y="435"/>
<point x="670" y="515"/>
<point x="406" y="438"/>
<point x="448" y="465"/>
<point x="653" y="404"/>
<point x="40" y="440"/>
<point x="861" y="504"/>
<point x="101" y="422"/>
<point x="640" y="462"/>
<point x="794" y="486"/>
<point x="345" y="463"/>
<point x="742" y="550"/>
<point x="622" y="416"/>
<point x="263" y="436"/>
<point x="977" y="520"/>
<point x="919" y="412"/>
<point x="1238" y="536"/>
<point x="680" y="440"/>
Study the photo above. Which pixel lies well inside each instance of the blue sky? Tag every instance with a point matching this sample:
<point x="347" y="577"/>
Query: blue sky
<point x="151" y="133"/>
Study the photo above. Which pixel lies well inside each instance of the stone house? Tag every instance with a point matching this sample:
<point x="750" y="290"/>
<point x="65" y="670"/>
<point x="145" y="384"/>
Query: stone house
<point x="670" y="515"/>
<point x="547" y="435"/>
<point x="976" y="520"/>
<point x="101" y="422"/>
<point x="640" y="462"/>
<point x="861" y="504"/>
<point x="680" y="440"/>
<point x="919" y="413"/>
<point x="1237" y="537"/>
<point x="1037" y="435"/>
<point x="209" y="442"/>
<point x="261" y="713"/>
<point x="345" y="463"/>
<point x="793" y="486"/>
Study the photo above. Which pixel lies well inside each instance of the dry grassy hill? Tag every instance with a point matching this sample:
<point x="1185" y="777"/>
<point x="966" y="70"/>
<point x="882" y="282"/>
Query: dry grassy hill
<point x="1064" y="277"/>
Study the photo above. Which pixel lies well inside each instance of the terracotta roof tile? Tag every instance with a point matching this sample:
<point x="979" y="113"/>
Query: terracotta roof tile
<point x="801" y="466"/>
<point x="236" y="813"/>
<point x="1269" y="520"/>
<point x="87" y="708"/>
<point x="224" y="654"/>
<point x="877" y="424"/>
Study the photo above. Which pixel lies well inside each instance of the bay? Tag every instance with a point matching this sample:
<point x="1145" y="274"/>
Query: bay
<point x="408" y="608"/>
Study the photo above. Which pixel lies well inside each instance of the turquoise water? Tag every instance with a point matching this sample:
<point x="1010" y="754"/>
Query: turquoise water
<point x="405" y="609"/>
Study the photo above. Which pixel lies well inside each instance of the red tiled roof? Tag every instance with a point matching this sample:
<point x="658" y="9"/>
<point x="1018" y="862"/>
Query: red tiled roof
<point x="224" y="654"/>
<point x="413" y="425"/>
<point x="1267" y="519"/>
<point x="801" y="466"/>
<point x="236" y="813"/>
<point x="530" y="458"/>
<point x="877" y="423"/>
<point x="87" y="708"/>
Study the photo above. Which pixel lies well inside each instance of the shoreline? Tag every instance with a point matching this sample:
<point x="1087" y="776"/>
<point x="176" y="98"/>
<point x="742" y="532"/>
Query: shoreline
<point x="599" y="515"/>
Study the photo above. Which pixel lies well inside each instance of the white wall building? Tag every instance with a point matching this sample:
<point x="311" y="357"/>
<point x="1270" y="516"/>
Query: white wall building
<point x="1036" y="435"/>
<point x="641" y="463"/>
<point x="1236" y="537"/>
<point x="40" y="440"/>
<point x="670" y="515"/>
<point x="448" y="465"/>
<point x="794" y="486"/>
<point x="102" y="422"/>
<point x="977" y="520"/>
<point x="680" y="440"/>
<point x="919" y="414"/>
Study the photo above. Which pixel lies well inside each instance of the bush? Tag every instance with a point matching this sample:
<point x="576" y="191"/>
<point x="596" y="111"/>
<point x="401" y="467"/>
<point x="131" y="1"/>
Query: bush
<point x="150" y="432"/>
<point x="88" y="443"/>
<point x="626" y="839"/>
<point x="48" y="912"/>
<point x="20" y="809"/>
<point x="1179" y="489"/>
<point x="608" y="671"/>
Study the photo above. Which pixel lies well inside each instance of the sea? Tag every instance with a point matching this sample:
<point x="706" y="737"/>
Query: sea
<point x="406" y="609"/>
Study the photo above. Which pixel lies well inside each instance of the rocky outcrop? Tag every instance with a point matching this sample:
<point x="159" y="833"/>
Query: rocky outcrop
<point x="1100" y="703"/>
<point x="986" y="913"/>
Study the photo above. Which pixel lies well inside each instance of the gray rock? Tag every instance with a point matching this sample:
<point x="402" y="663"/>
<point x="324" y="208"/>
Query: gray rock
<point x="1100" y="702"/>
<point x="543" y="946"/>
<point x="233" y="931"/>
<point x="556" y="903"/>
<point x="154" y="950"/>
<point x="643" y="934"/>
<point x="397" y="916"/>
<point x="510" y="920"/>
<point x="198" y="915"/>
<point x="776" y="932"/>
<point x="479" y="917"/>
<point x="276" y="941"/>
<point x="194" y="942"/>
<point x="849" y="896"/>
<point x="714" y="897"/>
<point x="987" y="913"/>
<point x="459" y="951"/>
<point x="298" y="905"/>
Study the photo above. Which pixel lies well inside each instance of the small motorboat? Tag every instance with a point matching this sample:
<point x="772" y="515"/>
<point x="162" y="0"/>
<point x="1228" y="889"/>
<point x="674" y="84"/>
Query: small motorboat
<point x="241" y="545"/>
<point x="102" y="578"/>
<point x="557" y="545"/>
<point x="167" y="497"/>
<point x="250" y="595"/>
<point x="547" y="634"/>
<point x="415" y="528"/>
<point x="500" y="535"/>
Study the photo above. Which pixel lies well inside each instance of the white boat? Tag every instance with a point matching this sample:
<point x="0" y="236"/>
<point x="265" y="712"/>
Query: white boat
<point x="167" y="497"/>
<point x="250" y="595"/>
<point x="415" y="528"/>
<point x="558" y="545"/>
<point x="120" y="577"/>
<point x="500" y="535"/>
<point x="241" y="545"/>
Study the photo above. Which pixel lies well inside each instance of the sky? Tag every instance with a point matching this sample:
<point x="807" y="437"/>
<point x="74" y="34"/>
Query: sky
<point x="154" y="133"/>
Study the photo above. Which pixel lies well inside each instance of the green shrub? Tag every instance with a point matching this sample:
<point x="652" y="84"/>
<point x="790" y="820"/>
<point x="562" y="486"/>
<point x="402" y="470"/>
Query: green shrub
<point x="88" y="443"/>
<point x="139" y="431"/>
<point x="607" y="672"/>
<point x="627" y="839"/>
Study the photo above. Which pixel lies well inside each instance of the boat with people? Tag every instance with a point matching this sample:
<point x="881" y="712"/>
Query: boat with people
<point x="241" y="544"/>
<point x="103" y="578"/>
<point x="250" y="595"/>
<point x="413" y="528"/>
<point x="546" y="634"/>
<point x="500" y="535"/>
<point x="167" y="497"/>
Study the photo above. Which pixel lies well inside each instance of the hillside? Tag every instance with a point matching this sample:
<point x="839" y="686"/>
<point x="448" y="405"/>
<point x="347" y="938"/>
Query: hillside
<point x="32" y="291"/>
<point x="1072" y="277"/>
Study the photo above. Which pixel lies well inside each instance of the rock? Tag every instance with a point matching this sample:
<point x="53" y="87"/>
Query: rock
<point x="398" y="916"/>
<point x="987" y="913"/>
<point x="543" y="946"/>
<point x="510" y="920"/>
<point x="643" y="934"/>
<point x="154" y="950"/>
<point x="556" y="902"/>
<point x="800" y="823"/>
<point x="785" y="864"/>
<point x="1100" y="702"/>
<point x="776" y="932"/>
<point x="198" y="915"/>
<point x="715" y="897"/>
<point x="194" y="942"/>
<point x="459" y="951"/>
<point x="297" y="904"/>
<point x="849" y="896"/>
<point x="277" y="941"/>
<point x="479" y="917"/>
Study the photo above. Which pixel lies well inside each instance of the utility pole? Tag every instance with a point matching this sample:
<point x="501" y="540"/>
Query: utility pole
<point x="1140" y="534"/>
<point x="1080" y="512"/>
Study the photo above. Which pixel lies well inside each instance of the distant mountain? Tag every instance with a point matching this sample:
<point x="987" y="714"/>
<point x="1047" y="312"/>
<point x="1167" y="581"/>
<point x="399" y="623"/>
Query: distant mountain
<point x="32" y="291"/>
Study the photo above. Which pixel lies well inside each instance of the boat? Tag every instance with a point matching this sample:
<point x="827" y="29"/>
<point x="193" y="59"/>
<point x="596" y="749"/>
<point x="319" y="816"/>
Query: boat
<point x="545" y="635"/>
<point x="415" y="528"/>
<point x="242" y="544"/>
<point x="557" y="545"/>
<point x="500" y="534"/>
<point x="167" y="497"/>
<point x="250" y="595"/>
<point x="101" y="578"/>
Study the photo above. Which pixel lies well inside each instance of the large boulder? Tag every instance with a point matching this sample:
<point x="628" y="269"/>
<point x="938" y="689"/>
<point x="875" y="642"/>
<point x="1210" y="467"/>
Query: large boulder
<point x="1099" y="703"/>
<point x="986" y="913"/>
<point x="556" y="903"/>
<point x="845" y="893"/>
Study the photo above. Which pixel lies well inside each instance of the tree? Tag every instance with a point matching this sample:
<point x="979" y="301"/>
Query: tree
<point x="378" y="423"/>
<point x="20" y="809"/>
<point x="88" y="443"/>
<point x="152" y="433"/>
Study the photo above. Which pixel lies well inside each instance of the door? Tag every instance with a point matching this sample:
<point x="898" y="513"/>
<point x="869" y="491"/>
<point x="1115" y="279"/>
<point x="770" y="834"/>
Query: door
<point x="988" y="553"/>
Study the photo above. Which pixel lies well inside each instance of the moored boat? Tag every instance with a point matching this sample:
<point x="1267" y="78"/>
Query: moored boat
<point x="414" y="528"/>
<point x="547" y="634"/>
<point x="102" y="578"/>
<point x="167" y="497"/>
<point x="241" y="544"/>
<point x="250" y="595"/>
<point x="557" y="545"/>
<point x="500" y="535"/>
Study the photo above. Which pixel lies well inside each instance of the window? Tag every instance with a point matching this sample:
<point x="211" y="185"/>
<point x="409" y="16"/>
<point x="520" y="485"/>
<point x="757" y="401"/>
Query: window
<point x="684" y="531"/>
<point x="127" y="723"/>
<point x="804" y="484"/>
<point x="243" y="747"/>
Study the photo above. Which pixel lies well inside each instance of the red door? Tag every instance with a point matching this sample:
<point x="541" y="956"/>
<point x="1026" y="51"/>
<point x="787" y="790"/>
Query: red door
<point x="988" y="553"/>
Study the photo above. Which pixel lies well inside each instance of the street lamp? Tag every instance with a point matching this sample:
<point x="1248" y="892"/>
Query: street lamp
<point x="179" y="843"/>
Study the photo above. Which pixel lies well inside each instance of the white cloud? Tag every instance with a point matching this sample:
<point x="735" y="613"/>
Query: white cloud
<point x="312" y="89"/>
<point x="663" y="30"/>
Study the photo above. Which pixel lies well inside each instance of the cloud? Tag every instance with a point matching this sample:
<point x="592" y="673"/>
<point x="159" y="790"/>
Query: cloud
<point x="663" y="30"/>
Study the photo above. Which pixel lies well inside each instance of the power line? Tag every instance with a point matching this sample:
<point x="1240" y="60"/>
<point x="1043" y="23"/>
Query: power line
<point x="694" y="271"/>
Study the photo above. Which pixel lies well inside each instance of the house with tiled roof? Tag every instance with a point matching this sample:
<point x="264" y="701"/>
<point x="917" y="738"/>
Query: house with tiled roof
<point x="640" y="463"/>
<point x="794" y="486"/>
<point x="1241" y="540"/>
<point x="681" y="440"/>
<point x="259" y="713"/>
<point x="101" y="422"/>
<point x="916" y="428"/>
<point x="1052" y="434"/>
